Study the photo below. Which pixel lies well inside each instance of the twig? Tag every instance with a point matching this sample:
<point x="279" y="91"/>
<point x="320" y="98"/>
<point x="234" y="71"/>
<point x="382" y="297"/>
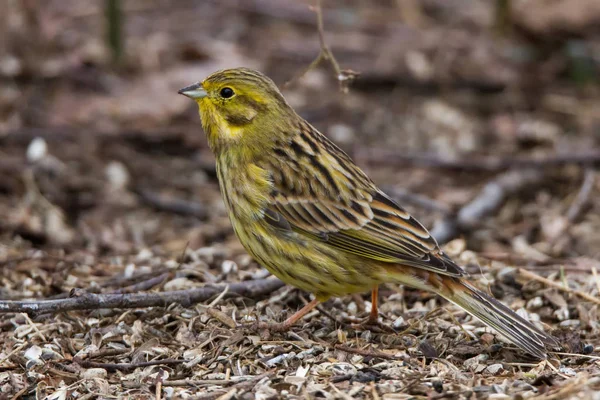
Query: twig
<point x="34" y="327"/>
<point x="245" y="385"/>
<point x="424" y="202"/>
<point x="105" y="353"/>
<point x="379" y="156"/>
<point x="175" y="206"/>
<point x="368" y="353"/>
<point x="219" y="297"/>
<point x="22" y="391"/>
<point x="595" y="274"/>
<point x="206" y="382"/>
<point x="344" y="77"/>
<point x="583" y="196"/>
<point x="144" y="285"/>
<point x="125" y="367"/>
<point x="91" y="301"/>
<point x="556" y="285"/>
<point x="488" y="201"/>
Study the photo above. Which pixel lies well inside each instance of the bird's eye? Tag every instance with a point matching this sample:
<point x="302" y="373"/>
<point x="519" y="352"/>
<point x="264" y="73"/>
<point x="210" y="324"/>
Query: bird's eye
<point x="226" y="92"/>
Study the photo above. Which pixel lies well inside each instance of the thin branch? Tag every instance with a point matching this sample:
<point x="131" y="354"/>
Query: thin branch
<point x="175" y="206"/>
<point x="344" y="77"/>
<point x="91" y="301"/>
<point x="556" y="285"/>
<point x="144" y="285"/>
<point x="404" y="196"/>
<point x="487" y="202"/>
<point x="125" y="366"/>
<point x="379" y="156"/>
<point x="325" y="53"/>
<point x="583" y="196"/>
<point x="243" y="385"/>
<point x="368" y="353"/>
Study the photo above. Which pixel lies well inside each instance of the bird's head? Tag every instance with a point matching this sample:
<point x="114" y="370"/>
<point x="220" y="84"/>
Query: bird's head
<point x="239" y="106"/>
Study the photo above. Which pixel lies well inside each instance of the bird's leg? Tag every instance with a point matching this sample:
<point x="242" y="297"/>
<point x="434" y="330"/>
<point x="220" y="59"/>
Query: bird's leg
<point x="372" y="321"/>
<point x="374" y="303"/>
<point x="287" y="324"/>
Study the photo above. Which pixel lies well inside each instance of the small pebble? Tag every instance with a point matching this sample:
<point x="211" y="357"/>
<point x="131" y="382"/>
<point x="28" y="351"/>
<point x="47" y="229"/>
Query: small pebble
<point x="570" y="323"/>
<point x="94" y="373"/>
<point x="144" y="255"/>
<point x="567" y="371"/>
<point x="588" y="349"/>
<point x="37" y="150"/>
<point x="495" y="369"/>
<point x="535" y="303"/>
<point x="399" y="322"/>
<point x="228" y="267"/>
<point x="117" y="175"/>
<point x="33" y="353"/>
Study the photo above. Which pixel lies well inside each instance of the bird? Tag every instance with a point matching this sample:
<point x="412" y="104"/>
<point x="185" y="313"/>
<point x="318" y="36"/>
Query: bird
<point x="304" y="210"/>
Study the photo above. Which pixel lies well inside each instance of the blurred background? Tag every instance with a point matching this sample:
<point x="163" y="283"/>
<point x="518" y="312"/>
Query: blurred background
<point x="481" y="117"/>
<point x="94" y="139"/>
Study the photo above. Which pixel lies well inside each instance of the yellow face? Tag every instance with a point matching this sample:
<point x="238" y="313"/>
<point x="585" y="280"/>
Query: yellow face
<point x="235" y="103"/>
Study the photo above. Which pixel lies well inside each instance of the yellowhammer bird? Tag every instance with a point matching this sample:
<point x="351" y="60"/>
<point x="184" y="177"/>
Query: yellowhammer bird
<point x="303" y="209"/>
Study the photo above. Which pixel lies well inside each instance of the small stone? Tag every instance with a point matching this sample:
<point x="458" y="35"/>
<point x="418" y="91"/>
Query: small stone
<point x="144" y="255"/>
<point x="507" y="274"/>
<point x="228" y="266"/>
<point x="570" y="323"/>
<point x="487" y="338"/>
<point x="180" y="284"/>
<point x="49" y="354"/>
<point x="398" y="323"/>
<point x="562" y="314"/>
<point x="535" y="303"/>
<point x="473" y="363"/>
<point x="117" y="175"/>
<point x="37" y="150"/>
<point x="567" y="371"/>
<point x="494" y="369"/>
<point x="352" y="308"/>
<point x="94" y="373"/>
<point x="33" y="353"/>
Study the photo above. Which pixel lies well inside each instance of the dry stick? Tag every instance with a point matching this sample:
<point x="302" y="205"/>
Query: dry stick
<point x="403" y="196"/>
<point x="489" y="200"/>
<point x="126" y="366"/>
<point x="583" y="196"/>
<point x="91" y="301"/>
<point x="207" y="382"/>
<point x="144" y="285"/>
<point x="368" y="353"/>
<point x="343" y="76"/>
<point x="172" y="205"/>
<point x="578" y="204"/>
<point x="548" y="282"/>
<point x="378" y="156"/>
<point x="243" y="385"/>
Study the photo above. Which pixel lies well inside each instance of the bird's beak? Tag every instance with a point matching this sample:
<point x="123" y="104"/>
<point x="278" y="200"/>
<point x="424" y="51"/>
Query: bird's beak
<point x="195" y="91"/>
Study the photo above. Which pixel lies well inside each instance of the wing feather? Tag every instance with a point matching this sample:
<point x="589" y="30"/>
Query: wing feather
<point x="349" y="212"/>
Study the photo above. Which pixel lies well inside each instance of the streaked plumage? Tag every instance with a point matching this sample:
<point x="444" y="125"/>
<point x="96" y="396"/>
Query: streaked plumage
<point x="304" y="210"/>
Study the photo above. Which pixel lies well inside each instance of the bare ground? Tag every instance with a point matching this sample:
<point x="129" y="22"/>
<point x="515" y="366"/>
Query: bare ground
<point x="486" y="129"/>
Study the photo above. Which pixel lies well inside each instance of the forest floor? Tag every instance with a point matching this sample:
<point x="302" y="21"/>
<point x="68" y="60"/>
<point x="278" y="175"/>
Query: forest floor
<point x="486" y="130"/>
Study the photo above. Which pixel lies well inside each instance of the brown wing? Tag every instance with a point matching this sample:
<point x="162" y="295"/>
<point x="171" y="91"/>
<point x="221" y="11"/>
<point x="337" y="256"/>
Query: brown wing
<point x="321" y="193"/>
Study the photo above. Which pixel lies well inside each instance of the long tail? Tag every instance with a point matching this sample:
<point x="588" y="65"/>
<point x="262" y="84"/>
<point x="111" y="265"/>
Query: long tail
<point x="498" y="316"/>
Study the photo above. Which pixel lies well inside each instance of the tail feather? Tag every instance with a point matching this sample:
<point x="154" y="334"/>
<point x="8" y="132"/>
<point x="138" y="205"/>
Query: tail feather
<point x="498" y="316"/>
